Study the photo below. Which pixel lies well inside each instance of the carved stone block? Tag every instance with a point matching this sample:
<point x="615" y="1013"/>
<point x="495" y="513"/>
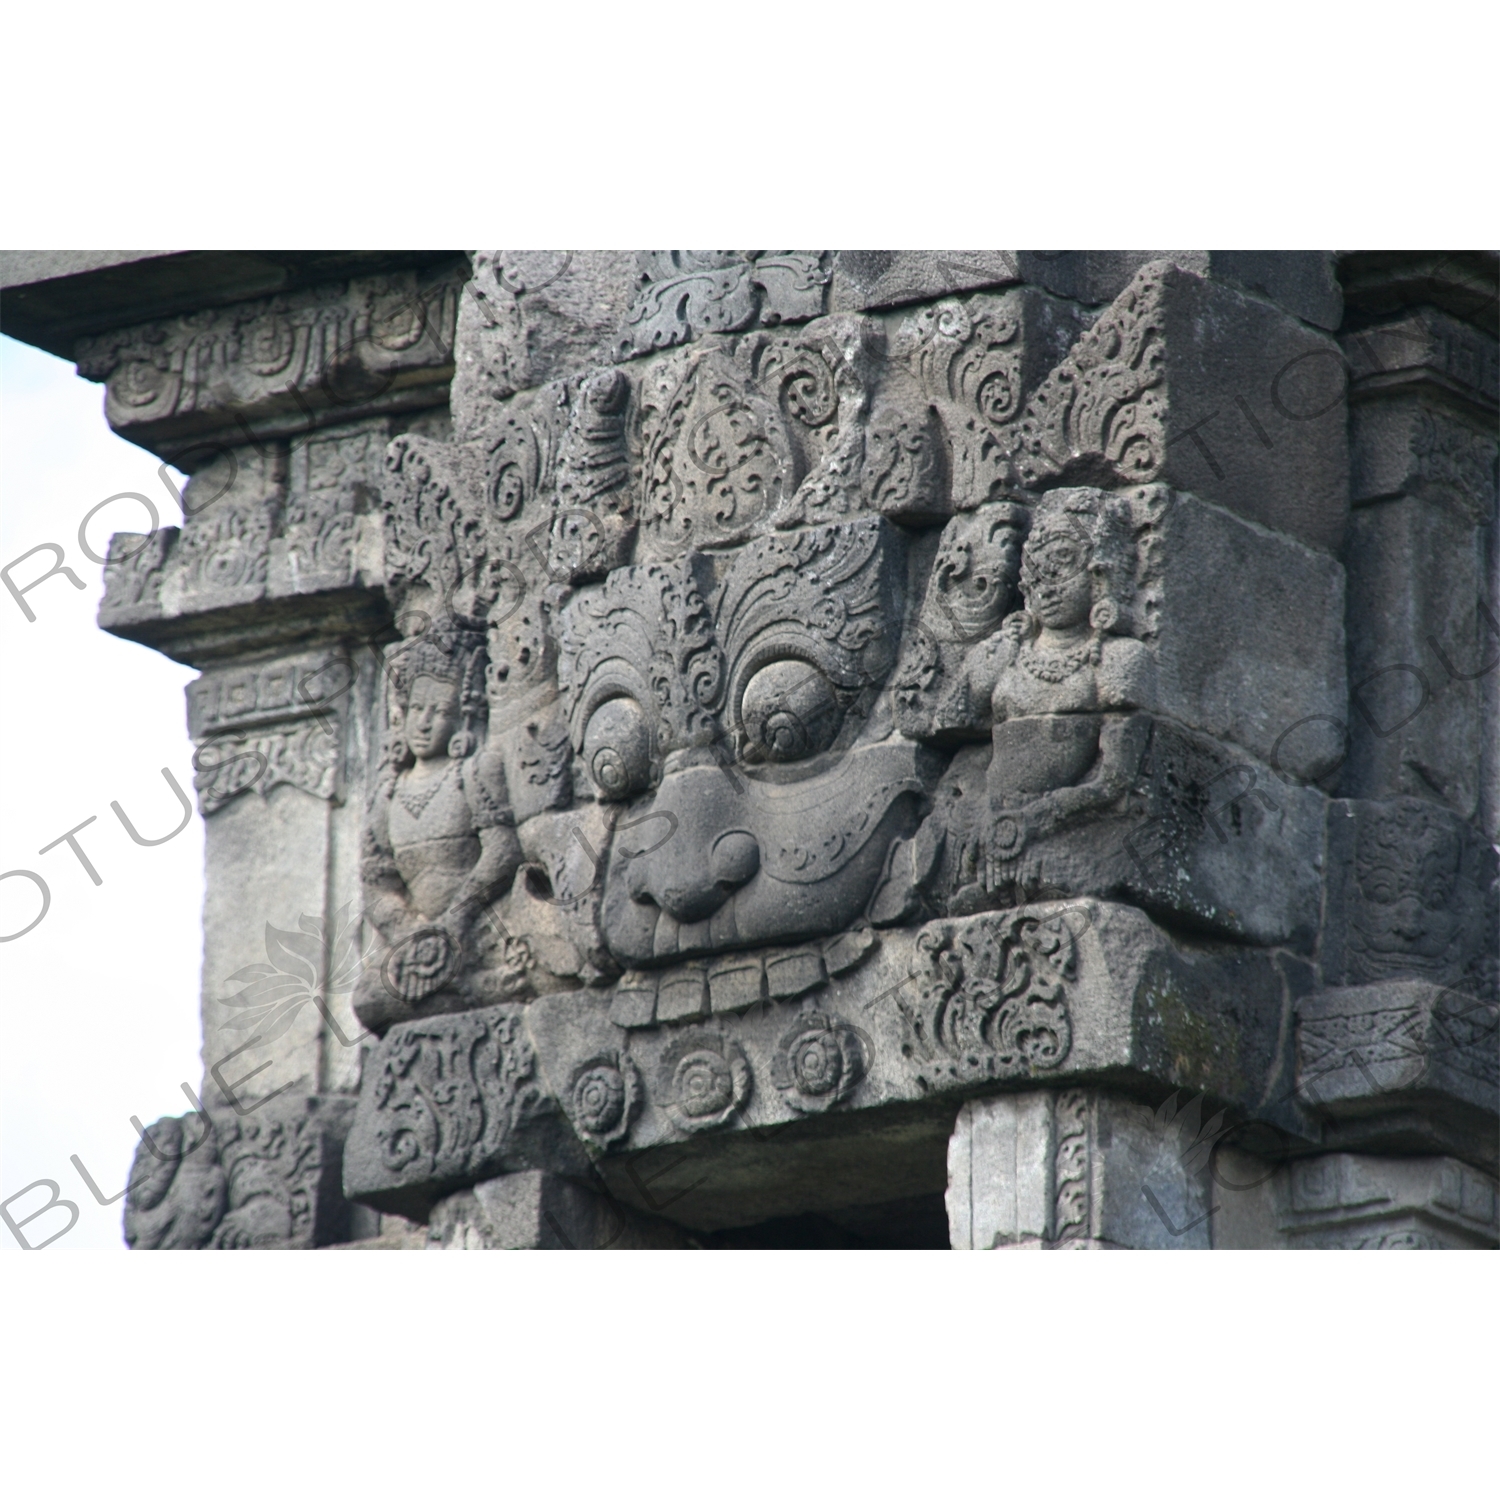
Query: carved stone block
<point x="1342" y="1201"/>
<point x="1258" y="658"/>
<point x="819" y="692"/>
<point x="268" y="1179"/>
<point x="1424" y="656"/>
<point x="680" y="294"/>
<point x="133" y="573"/>
<point x="1403" y="1065"/>
<point x="1403" y="445"/>
<point x="1188" y="382"/>
<point x="1425" y="350"/>
<point x="271" y="723"/>
<point x="186" y="386"/>
<point x="556" y="895"/>
<point x="446" y="1103"/>
<point x="333" y="480"/>
<point x="541" y="1211"/>
<point x="1198" y="836"/>
<point x="888" y="278"/>
<point x="222" y="555"/>
<point x="1302" y="281"/>
<point x="1041" y="994"/>
<point x="973" y="364"/>
<point x="531" y="316"/>
<point x="1411" y="895"/>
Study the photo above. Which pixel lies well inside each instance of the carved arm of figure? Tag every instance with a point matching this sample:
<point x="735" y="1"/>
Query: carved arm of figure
<point x="384" y="889"/>
<point x="969" y="700"/>
<point x="500" y="853"/>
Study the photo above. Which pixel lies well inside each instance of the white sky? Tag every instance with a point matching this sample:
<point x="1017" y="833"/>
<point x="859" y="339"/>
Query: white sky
<point x="100" y="1001"/>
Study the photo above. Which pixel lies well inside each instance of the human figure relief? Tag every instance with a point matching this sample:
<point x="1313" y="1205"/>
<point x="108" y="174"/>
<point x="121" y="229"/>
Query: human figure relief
<point x="440" y="841"/>
<point x="1056" y="684"/>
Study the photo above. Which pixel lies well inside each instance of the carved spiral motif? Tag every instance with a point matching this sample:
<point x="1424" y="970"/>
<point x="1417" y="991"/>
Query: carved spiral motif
<point x="789" y="711"/>
<point x="397" y="322"/>
<point x="808" y="389"/>
<point x="508" y="489"/>
<point x="818" y="1063"/>
<point x="269" y="345"/>
<point x="703" y="1084"/>
<point x="422" y="964"/>
<point x="606" y="1093"/>
<point x="402" y="1148"/>
<point x="998" y="397"/>
<point x="138" y="384"/>
<point x="617" y="749"/>
<point x="600" y="1098"/>
<point x="705" y="1079"/>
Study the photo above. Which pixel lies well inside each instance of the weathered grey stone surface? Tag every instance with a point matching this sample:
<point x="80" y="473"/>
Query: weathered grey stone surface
<point x="1424" y="630"/>
<point x="1073" y="1169"/>
<point x="1347" y="1202"/>
<point x="540" y="1211"/>
<point x="734" y="748"/>
<point x="1402" y="1066"/>
<point x="267" y="1178"/>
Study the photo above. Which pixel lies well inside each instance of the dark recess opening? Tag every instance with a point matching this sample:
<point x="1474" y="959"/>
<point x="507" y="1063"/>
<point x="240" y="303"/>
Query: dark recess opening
<point x="906" y="1224"/>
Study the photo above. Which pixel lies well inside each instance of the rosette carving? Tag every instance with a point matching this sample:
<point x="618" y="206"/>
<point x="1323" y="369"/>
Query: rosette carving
<point x="604" y="1098"/>
<point x="818" y="1063"/>
<point x="704" y="1080"/>
<point x="422" y="964"/>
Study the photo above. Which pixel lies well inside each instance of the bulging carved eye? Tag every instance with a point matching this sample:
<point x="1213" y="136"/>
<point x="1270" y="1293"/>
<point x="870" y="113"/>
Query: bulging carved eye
<point x="789" y="711"/>
<point x="617" y="749"/>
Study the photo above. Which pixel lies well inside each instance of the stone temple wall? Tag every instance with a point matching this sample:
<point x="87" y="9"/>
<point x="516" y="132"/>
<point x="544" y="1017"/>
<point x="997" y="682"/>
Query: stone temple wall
<point x="803" y="748"/>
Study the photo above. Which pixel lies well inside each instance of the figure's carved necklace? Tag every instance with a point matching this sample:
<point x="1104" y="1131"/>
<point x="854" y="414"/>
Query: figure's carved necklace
<point x="1054" y="666"/>
<point x="417" y="803"/>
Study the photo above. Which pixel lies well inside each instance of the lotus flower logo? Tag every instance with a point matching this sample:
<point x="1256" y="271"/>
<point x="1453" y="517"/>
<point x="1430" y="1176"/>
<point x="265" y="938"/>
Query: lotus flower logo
<point x="306" y="967"/>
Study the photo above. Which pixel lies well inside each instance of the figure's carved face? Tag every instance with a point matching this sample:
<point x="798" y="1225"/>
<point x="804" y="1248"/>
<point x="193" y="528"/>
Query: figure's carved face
<point x="1056" y="580"/>
<point x="974" y="575"/>
<point x="432" y="717"/>
<point x="1408" y="874"/>
<point x="732" y="703"/>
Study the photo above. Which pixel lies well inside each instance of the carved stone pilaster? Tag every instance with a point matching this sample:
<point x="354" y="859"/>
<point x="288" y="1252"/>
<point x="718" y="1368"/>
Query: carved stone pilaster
<point x="1423" y="610"/>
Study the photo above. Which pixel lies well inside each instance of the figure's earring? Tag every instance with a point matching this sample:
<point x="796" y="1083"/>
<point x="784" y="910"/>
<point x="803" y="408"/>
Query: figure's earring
<point x="1104" y="616"/>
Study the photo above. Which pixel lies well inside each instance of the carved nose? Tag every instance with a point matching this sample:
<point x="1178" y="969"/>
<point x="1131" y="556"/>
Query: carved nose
<point x="735" y="859"/>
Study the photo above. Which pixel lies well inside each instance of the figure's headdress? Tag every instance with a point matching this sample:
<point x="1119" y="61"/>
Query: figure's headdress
<point x="451" y="649"/>
<point x="1114" y="531"/>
